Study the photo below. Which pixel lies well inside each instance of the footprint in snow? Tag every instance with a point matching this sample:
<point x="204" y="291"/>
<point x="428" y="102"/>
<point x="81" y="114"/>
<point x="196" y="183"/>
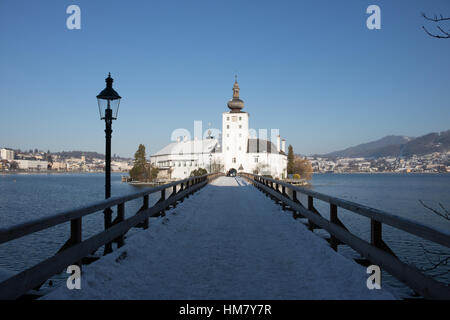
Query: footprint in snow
<point x="121" y="257"/>
<point x="165" y="221"/>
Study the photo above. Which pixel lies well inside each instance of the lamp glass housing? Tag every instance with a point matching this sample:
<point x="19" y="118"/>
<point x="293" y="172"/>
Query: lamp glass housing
<point x="104" y="104"/>
<point x="108" y="99"/>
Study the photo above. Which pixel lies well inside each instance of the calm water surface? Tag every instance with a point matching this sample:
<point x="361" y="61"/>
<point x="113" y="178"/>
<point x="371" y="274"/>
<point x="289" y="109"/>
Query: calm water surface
<point x="398" y="194"/>
<point x="29" y="196"/>
<point x="24" y="197"/>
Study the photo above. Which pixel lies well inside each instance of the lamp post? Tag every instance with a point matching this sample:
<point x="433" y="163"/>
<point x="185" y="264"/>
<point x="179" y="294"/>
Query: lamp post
<point x="108" y="107"/>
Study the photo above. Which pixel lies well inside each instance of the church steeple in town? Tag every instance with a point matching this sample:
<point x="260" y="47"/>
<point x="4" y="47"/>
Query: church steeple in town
<point x="235" y="104"/>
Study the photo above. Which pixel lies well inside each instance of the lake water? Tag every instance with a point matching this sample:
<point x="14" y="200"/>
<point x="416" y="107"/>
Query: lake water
<point x="29" y="196"/>
<point x="398" y="194"/>
<point x="24" y="197"/>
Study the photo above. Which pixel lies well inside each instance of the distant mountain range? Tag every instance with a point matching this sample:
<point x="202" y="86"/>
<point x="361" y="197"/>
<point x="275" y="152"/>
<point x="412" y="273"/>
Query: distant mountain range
<point x="397" y="146"/>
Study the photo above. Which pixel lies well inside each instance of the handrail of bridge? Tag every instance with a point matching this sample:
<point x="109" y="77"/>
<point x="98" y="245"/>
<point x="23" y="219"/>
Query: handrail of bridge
<point x="75" y="249"/>
<point x="376" y="251"/>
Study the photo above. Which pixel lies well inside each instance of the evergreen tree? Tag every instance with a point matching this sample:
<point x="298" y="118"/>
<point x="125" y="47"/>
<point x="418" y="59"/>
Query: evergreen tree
<point x="153" y="172"/>
<point x="290" y="160"/>
<point x="140" y="170"/>
<point x="199" y="172"/>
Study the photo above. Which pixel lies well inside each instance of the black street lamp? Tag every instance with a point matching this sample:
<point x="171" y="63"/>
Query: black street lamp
<point x="108" y="107"/>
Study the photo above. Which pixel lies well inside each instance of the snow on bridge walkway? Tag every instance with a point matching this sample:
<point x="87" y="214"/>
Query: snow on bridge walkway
<point x="228" y="241"/>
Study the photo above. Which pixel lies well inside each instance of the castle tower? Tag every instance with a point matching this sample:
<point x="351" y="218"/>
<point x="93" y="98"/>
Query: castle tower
<point x="235" y="132"/>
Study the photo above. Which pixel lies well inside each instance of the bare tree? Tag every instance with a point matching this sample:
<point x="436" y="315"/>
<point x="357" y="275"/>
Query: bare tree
<point x="436" y="258"/>
<point x="444" y="34"/>
<point x="303" y="167"/>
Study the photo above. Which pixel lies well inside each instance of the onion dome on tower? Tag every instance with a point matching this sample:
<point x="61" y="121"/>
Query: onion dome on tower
<point x="235" y="104"/>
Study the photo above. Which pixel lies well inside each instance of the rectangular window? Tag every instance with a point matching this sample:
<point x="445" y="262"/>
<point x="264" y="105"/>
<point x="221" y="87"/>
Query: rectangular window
<point x="256" y="159"/>
<point x="234" y="118"/>
<point x="228" y="126"/>
<point x="240" y="127"/>
<point x="233" y="160"/>
<point x="240" y="118"/>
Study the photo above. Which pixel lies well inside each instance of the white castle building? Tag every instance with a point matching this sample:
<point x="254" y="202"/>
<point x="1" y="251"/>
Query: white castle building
<point x="236" y="148"/>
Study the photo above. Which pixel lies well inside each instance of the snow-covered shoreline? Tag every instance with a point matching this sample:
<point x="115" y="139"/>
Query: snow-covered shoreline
<point x="228" y="241"/>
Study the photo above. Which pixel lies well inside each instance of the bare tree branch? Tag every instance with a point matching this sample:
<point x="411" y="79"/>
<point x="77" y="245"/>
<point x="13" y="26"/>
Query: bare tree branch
<point x="445" y="210"/>
<point x="435" y="19"/>
<point x="445" y="214"/>
<point x="445" y="34"/>
<point x="435" y="35"/>
<point x="435" y="264"/>
<point x="439" y="262"/>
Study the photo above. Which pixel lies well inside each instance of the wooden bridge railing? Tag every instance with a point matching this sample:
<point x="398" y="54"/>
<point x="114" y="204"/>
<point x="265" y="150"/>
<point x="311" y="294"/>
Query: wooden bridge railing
<point x="75" y="249"/>
<point x="376" y="251"/>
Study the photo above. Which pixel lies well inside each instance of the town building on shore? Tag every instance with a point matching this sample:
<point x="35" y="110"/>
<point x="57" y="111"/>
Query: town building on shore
<point x="59" y="166"/>
<point x="234" y="149"/>
<point x="32" y="165"/>
<point x="6" y="154"/>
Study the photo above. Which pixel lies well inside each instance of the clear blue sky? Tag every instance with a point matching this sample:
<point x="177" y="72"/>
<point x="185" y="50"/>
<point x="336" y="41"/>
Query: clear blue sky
<point x="310" y="68"/>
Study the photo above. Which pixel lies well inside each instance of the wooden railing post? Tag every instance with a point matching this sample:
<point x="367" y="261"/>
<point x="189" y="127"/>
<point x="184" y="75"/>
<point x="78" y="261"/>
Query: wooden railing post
<point x="283" y="191"/>
<point x="376" y="234"/>
<point x="376" y="237"/>
<point x="181" y="189"/>
<point x="75" y="230"/>
<point x="333" y="219"/>
<point x="108" y="224"/>
<point x="174" y="192"/>
<point x="295" y="214"/>
<point x="145" y="207"/>
<point x="120" y="218"/>
<point x="187" y="187"/>
<point x="310" y="208"/>
<point x="162" y="199"/>
<point x="294" y="196"/>
<point x="76" y="234"/>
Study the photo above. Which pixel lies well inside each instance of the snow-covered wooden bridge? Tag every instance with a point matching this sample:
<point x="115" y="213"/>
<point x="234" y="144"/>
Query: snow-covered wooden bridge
<point x="228" y="241"/>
